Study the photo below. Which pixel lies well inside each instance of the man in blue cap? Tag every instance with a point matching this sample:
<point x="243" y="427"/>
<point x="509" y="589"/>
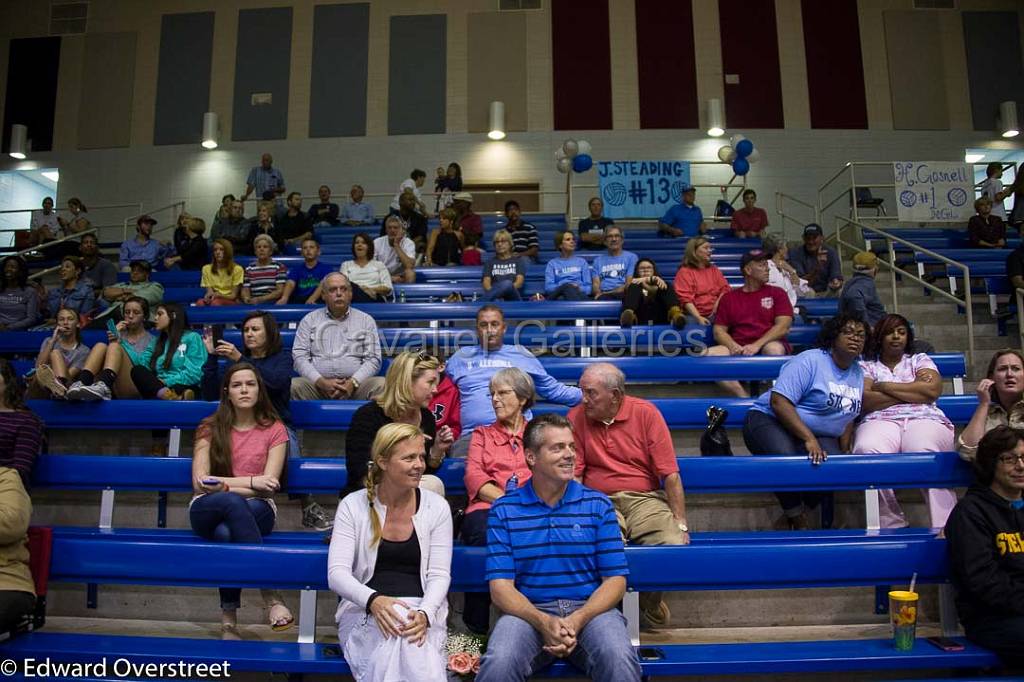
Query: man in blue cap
<point x="685" y="219"/>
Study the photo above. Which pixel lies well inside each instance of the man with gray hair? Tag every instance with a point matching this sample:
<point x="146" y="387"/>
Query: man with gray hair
<point x="624" y="449"/>
<point x="396" y="251"/>
<point x="336" y="350"/>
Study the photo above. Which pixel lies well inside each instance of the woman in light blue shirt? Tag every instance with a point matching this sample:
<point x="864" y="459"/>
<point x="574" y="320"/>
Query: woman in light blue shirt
<point x="811" y="408"/>
<point x="568" y="277"/>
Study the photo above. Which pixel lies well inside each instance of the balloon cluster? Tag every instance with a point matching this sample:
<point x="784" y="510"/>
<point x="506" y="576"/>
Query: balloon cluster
<point x="573" y="154"/>
<point x="740" y="153"/>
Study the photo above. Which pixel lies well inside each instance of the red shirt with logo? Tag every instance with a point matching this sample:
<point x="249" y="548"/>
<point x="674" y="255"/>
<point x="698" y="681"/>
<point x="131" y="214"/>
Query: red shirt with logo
<point x="747" y="316"/>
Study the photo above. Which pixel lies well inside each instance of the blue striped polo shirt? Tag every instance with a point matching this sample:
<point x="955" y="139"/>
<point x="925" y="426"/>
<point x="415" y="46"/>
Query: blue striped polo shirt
<point x="560" y="552"/>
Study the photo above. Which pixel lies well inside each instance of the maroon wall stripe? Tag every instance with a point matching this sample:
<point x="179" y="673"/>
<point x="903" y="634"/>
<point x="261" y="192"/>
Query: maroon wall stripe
<point x="582" y="64"/>
<point x="666" y="64"/>
<point x="835" y="70"/>
<point x="750" y="49"/>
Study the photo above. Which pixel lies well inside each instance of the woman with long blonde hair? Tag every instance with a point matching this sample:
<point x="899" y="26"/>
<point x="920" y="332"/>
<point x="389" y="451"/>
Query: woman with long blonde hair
<point x="410" y="383"/>
<point x="390" y="562"/>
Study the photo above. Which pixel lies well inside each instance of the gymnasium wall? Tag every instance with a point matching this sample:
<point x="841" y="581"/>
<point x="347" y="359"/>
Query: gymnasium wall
<point x="407" y="84"/>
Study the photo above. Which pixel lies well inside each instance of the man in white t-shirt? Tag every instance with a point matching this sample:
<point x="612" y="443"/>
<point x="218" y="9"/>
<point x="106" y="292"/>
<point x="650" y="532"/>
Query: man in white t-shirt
<point x="396" y="251"/>
<point x="412" y="184"/>
<point x="992" y="188"/>
<point x="44" y="226"/>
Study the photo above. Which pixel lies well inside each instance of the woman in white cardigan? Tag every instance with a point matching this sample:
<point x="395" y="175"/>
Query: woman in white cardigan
<point x="390" y="562"/>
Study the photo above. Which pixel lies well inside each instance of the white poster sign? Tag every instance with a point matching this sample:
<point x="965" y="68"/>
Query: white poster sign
<point x="933" y="191"/>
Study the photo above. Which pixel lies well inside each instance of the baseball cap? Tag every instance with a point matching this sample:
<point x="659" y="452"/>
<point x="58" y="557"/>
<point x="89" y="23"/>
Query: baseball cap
<point x="865" y="260"/>
<point x="812" y="229"/>
<point x="145" y="219"/>
<point x="687" y="187"/>
<point x="463" y="196"/>
<point x="754" y="254"/>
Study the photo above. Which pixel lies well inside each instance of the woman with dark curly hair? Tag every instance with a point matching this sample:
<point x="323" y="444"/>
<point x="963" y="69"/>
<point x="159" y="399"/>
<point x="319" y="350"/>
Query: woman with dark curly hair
<point x="19" y="303"/>
<point x="811" y="408"/>
<point x="900" y="414"/>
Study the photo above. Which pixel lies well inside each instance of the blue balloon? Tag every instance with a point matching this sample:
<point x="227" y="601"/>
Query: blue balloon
<point x="582" y="163"/>
<point x="741" y="166"/>
<point x="743" y="149"/>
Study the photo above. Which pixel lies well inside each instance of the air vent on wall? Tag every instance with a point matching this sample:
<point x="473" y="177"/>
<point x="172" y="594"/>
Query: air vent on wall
<point x="934" y="4"/>
<point x="512" y="5"/>
<point x="68" y="17"/>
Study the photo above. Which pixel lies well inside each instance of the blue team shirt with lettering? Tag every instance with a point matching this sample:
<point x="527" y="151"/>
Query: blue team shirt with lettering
<point x="827" y="398"/>
<point x="613" y="270"/>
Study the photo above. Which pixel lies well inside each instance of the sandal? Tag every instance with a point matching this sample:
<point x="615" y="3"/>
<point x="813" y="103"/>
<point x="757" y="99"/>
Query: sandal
<point x="283" y="618"/>
<point x="229" y="632"/>
<point x="49" y="381"/>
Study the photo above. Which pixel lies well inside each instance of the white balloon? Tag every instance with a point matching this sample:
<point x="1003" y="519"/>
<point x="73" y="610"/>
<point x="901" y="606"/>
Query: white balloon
<point x="753" y="156"/>
<point x="724" y="152"/>
<point x="734" y="140"/>
<point x="559" y="154"/>
<point x="563" y="165"/>
<point x="570" y="147"/>
<point x="583" y="147"/>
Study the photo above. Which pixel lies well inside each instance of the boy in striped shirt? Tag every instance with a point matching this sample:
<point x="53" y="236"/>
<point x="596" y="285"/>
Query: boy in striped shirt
<point x="557" y="569"/>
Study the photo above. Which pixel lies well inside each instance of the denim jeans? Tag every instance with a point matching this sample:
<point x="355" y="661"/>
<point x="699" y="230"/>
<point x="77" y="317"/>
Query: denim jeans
<point x="567" y="292"/>
<point x="603" y="650"/>
<point x="229" y="517"/>
<point x="502" y="291"/>
<point x="765" y="435"/>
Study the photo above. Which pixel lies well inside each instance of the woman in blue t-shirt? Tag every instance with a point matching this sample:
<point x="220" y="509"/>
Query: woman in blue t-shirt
<point x="811" y="408"/>
<point x="567" y="277"/>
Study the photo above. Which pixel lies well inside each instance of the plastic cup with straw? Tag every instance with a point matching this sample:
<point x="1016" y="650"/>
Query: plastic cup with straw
<point x="903" y="616"/>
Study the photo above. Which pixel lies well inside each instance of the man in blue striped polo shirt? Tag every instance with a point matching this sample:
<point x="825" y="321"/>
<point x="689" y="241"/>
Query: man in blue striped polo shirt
<point x="557" y="569"/>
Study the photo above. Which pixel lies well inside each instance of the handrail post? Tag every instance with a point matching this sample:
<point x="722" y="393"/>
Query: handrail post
<point x="970" y="313"/>
<point x="892" y="275"/>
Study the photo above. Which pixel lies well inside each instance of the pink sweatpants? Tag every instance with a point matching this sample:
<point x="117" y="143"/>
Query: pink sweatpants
<point x="908" y="435"/>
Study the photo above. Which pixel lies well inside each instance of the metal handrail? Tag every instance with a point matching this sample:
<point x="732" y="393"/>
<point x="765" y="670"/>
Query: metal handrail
<point x="42" y="247"/>
<point x="780" y="209"/>
<point x="890" y="239"/>
<point x="174" y="214"/>
<point x="95" y="208"/>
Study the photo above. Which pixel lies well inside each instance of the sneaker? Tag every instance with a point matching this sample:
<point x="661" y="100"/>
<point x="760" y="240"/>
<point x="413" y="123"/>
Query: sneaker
<point x="314" y="516"/>
<point x="97" y="391"/>
<point x="48" y="380"/>
<point x="658" y="617"/>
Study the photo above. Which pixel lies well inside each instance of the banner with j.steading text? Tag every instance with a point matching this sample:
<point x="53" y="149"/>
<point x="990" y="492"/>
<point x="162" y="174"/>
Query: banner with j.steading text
<point x="933" y="191"/>
<point x="641" y="189"/>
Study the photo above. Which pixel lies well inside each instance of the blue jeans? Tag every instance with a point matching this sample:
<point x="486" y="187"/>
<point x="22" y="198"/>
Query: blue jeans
<point x="229" y="517"/>
<point x="603" y="650"/>
<point x="502" y="291"/>
<point x="567" y="292"/>
<point x="765" y="435"/>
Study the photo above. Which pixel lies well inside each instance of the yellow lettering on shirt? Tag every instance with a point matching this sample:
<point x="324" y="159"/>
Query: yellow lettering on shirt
<point x="1010" y="542"/>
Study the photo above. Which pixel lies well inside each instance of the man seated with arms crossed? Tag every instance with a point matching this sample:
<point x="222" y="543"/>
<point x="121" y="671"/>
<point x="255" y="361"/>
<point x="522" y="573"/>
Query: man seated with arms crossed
<point x="613" y="270"/>
<point x="624" y="449"/>
<point x="471" y="369"/>
<point x="356" y="212"/>
<point x="753" y="319"/>
<point x="557" y="570"/>
<point x="336" y="349"/>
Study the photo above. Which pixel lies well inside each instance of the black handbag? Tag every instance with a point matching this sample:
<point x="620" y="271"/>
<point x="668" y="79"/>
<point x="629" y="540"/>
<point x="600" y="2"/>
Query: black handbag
<point x="714" y="442"/>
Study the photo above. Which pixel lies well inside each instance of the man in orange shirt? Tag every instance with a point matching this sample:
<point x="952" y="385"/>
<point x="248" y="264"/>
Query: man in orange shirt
<point x="624" y="449"/>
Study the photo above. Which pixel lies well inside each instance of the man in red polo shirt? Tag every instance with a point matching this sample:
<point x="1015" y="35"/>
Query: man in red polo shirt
<point x="624" y="449"/>
<point x="753" y="319"/>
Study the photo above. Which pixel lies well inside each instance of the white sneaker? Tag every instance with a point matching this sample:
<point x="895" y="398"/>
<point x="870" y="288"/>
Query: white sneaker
<point x="97" y="391"/>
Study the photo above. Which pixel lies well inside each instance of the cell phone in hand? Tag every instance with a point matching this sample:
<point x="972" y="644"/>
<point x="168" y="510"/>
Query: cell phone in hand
<point x="112" y="327"/>
<point x="214" y="331"/>
<point x="211" y="481"/>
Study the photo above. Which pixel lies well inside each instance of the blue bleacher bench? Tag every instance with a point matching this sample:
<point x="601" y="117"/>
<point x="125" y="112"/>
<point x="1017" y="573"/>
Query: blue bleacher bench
<point x="336" y="415"/>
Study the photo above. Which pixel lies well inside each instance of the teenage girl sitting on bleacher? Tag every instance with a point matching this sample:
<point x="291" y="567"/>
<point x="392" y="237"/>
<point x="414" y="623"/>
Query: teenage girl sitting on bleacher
<point x="62" y="356"/>
<point x="237" y="461"/>
<point x="100" y="380"/>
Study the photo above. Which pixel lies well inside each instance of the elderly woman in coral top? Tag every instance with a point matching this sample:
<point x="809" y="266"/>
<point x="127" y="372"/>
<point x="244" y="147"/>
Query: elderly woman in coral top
<point x="495" y="457"/>
<point x="699" y="284"/>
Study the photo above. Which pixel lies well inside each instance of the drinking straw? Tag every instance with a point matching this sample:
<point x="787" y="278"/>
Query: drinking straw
<point x="913" y="581"/>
